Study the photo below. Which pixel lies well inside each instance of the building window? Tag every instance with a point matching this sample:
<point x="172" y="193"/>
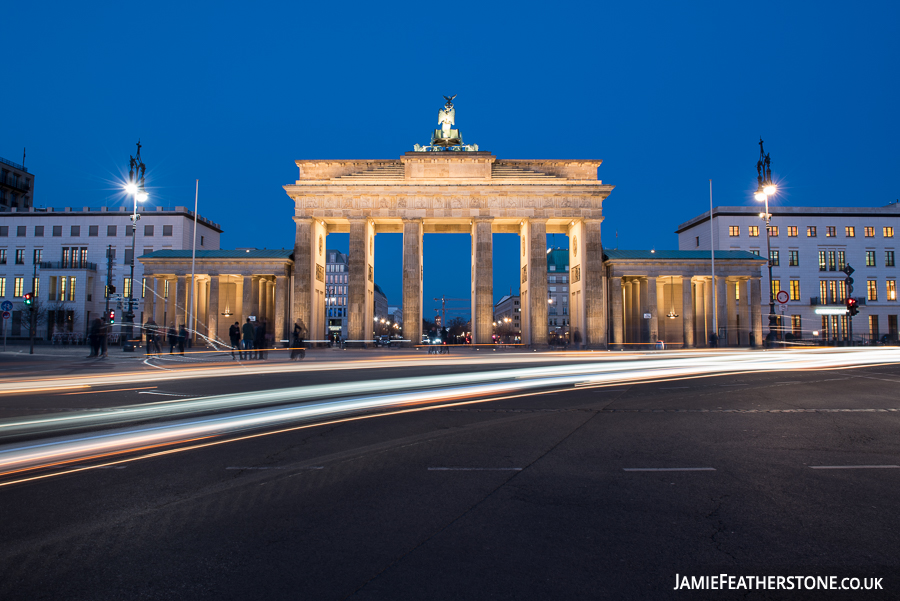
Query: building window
<point x="792" y="231"/>
<point x="795" y="290"/>
<point x="83" y="260"/>
<point x="36" y="286"/>
<point x="39" y="231"/>
<point x="869" y="231"/>
<point x="57" y="231"/>
<point x="71" y="295"/>
<point x="20" y="231"/>
<point x="4" y="231"/>
<point x="148" y="230"/>
<point x="2" y="256"/>
<point x="888" y="258"/>
<point x="129" y="257"/>
<point x="129" y="230"/>
<point x="734" y="230"/>
<point x="201" y="240"/>
<point x="38" y="255"/>
<point x="872" y="289"/>
<point x="888" y="232"/>
<point x="126" y="289"/>
<point x="891" y="290"/>
<point x="753" y="231"/>
<point x="93" y="230"/>
<point x="850" y="231"/>
<point x="65" y="257"/>
<point x="167" y="230"/>
<point x="873" y="327"/>
<point x="755" y="252"/>
<point x="794" y="258"/>
<point x="842" y="260"/>
<point x="20" y="256"/>
<point x="111" y="230"/>
<point x="795" y="325"/>
<point x="776" y="288"/>
<point x="832" y="265"/>
<point x="773" y="231"/>
<point x="810" y="231"/>
<point x="773" y="258"/>
<point x="18" y="286"/>
<point x="697" y="240"/>
<point x="830" y="231"/>
<point x="870" y="258"/>
<point x="2" y="286"/>
<point x="76" y="231"/>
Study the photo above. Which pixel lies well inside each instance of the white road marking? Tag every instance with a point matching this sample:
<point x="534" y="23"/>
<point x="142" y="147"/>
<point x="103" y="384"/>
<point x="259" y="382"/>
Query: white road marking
<point x="853" y="467"/>
<point x="669" y="469"/>
<point x="475" y="469"/>
<point x="164" y="393"/>
<point x="673" y="387"/>
<point x="156" y="366"/>
<point x="316" y="467"/>
<point x="104" y="467"/>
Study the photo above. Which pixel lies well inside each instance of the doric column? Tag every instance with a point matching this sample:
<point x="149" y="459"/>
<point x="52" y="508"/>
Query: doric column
<point x="482" y="280"/>
<point x="309" y="277"/>
<point x="743" y="313"/>
<point x="246" y="298"/>
<point x="731" y="312"/>
<point x="637" y="328"/>
<point x="720" y="309"/>
<point x="652" y="309"/>
<point x="212" y="308"/>
<point x="281" y="316"/>
<point x="270" y="305"/>
<point x="180" y="301"/>
<point x="149" y="299"/>
<point x="593" y="292"/>
<point x="537" y="280"/>
<point x="627" y="318"/>
<point x="756" y="312"/>
<point x="687" y="311"/>
<point x="412" y="280"/>
<point x="159" y="306"/>
<point x="361" y="286"/>
<point x="617" y="311"/>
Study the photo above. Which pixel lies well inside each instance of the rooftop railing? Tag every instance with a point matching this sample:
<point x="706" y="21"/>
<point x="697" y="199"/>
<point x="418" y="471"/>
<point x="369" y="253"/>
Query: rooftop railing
<point x="11" y="164"/>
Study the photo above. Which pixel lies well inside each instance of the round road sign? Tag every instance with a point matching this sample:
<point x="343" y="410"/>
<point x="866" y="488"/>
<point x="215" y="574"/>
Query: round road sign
<point x="6" y="306"/>
<point x="782" y="296"/>
<point x="7" y="315"/>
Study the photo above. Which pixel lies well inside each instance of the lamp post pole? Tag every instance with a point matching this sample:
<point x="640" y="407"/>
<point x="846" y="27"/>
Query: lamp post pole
<point x="765" y="189"/>
<point x="136" y="188"/>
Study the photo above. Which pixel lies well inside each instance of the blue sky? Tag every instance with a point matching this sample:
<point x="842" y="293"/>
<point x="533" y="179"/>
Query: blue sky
<point x="669" y="95"/>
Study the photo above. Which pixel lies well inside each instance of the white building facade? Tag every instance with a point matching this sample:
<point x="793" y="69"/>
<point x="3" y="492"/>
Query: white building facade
<point x="809" y="248"/>
<point x="60" y="254"/>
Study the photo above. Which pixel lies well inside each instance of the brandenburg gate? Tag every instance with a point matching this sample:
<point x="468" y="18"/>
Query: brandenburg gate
<point x="449" y="187"/>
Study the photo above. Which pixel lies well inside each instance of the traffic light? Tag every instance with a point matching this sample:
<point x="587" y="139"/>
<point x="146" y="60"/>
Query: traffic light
<point x="112" y="316"/>
<point x="29" y="298"/>
<point x="110" y="290"/>
<point x="852" y="306"/>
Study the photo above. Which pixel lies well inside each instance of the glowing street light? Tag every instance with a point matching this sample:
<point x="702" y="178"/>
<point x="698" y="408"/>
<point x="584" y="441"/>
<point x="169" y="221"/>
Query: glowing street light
<point x="764" y="189"/>
<point x="135" y="189"/>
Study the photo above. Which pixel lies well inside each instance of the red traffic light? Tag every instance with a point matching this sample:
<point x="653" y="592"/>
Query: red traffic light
<point x="112" y="316"/>
<point x="29" y="298"/>
<point x="852" y="306"/>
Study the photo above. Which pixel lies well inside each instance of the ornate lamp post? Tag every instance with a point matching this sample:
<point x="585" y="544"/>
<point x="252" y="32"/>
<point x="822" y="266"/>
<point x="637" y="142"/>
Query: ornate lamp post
<point x="766" y="188"/>
<point x="135" y="188"/>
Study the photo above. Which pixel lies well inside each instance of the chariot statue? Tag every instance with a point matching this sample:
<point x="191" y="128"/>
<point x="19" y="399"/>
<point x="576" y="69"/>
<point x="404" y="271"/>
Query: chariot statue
<point x="446" y="138"/>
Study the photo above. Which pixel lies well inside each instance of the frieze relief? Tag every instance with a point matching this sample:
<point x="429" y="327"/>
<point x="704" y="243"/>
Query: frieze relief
<point x="498" y="204"/>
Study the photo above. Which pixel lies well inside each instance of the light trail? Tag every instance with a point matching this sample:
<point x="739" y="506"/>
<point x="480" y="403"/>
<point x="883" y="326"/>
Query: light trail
<point x="221" y="415"/>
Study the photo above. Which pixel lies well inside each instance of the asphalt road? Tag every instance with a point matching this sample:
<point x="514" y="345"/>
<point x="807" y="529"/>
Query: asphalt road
<point x="528" y="497"/>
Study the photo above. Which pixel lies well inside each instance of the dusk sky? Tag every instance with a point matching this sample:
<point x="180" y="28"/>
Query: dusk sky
<point x="668" y="95"/>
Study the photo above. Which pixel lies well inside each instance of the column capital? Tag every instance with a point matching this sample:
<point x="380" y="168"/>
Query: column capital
<point x="537" y="219"/>
<point x="413" y="219"/>
<point x="482" y="218"/>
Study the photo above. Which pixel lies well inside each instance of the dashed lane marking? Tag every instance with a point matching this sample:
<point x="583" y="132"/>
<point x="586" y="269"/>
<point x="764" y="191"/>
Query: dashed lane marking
<point x="315" y="467"/>
<point x="669" y="469"/>
<point x="475" y="469"/>
<point x="164" y="393"/>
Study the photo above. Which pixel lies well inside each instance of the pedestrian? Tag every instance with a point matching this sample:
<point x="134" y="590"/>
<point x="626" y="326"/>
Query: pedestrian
<point x="248" y="333"/>
<point x="94" y="337"/>
<point x="297" y="351"/>
<point x="713" y="340"/>
<point x="149" y="330"/>
<point x="182" y="338"/>
<point x="234" y="333"/>
<point x="259" y="339"/>
<point x="173" y="339"/>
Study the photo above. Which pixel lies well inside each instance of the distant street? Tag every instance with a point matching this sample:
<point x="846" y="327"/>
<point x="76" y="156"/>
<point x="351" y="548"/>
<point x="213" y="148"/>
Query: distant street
<point x="399" y="475"/>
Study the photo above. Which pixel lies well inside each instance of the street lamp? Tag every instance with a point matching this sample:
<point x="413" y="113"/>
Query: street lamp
<point x="135" y="188"/>
<point x="764" y="189"/>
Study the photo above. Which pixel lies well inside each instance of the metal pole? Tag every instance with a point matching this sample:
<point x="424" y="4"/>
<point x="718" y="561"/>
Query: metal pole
<point x="769" y="262"/>
<point x="712" y="253"/>
<point x="34" y="300"/>
<point x="191" y="328"/>
<point x="130" y="328"/>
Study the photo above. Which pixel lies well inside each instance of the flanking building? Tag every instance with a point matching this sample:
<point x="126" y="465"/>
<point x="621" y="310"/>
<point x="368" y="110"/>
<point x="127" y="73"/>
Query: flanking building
<point x="809" y="248"/>
<point x="63" y="255"/>
<point x="16" y="186"/>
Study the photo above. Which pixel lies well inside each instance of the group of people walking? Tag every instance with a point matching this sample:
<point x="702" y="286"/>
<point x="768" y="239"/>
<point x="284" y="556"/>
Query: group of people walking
<point x="153" y="334"/>
<point x="251" y="341"/>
